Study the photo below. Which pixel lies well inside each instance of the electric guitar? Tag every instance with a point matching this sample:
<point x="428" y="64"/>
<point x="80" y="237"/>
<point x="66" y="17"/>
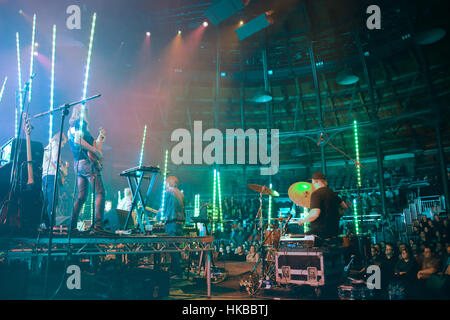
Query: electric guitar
<point x="97" y="144"/>
<point x="27" y="128"/>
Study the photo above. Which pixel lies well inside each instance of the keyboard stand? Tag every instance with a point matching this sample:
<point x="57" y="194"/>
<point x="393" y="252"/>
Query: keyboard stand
<point x="135" y="179"/>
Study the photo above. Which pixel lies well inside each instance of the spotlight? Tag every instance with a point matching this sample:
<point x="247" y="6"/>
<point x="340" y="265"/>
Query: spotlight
<point x="241" y="23"/>
<point x="179" y="31"/>
<point x="35" y="53"/>
<point x="21" y="11"/>
<point x="148" y="33"/>
<point x="205" y="24"/>
<point x="36" y="44"/>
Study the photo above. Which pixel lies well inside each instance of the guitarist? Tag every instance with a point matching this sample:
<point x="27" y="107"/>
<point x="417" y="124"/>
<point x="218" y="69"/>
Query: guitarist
<point x="87" y="172"/>
<point x="49" y="172"/>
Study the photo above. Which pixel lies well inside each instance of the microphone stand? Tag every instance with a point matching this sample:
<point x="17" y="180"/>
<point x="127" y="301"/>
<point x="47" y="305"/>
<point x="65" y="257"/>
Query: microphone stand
<point x="65" y="111"/>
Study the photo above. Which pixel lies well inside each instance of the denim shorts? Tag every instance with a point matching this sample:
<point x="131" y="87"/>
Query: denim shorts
<point x="86" y="169"/>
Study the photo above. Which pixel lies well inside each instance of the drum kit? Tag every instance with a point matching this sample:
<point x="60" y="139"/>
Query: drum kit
<point x="299" y="193"/>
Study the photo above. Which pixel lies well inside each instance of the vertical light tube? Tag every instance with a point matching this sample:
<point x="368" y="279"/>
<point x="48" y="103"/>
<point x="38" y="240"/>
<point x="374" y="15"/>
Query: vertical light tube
<point x="164" y="181"/>
<point x="269" y="214"/>
<point x="3" y="88"/>
<point x="305" y="225"/>
<point x="355" y="215"/>
<point x="88" y="65"/>
<point x="220" y="201"/>
<point x="214" y="202"/>
<point x="92" y="206"/>
<point x="52" y="84"/>
<point x="358" y="174"/>
<point x="33" y="35"/>
<point x="358" y="167"/>
<point x="197" y="205"/>
<point x="19" y="78"/>
<point x="143" y="146"/>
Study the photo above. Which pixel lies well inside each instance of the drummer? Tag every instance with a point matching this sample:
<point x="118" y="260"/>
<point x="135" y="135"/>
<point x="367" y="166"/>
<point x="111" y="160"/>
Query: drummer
<point x="326" y="205"/>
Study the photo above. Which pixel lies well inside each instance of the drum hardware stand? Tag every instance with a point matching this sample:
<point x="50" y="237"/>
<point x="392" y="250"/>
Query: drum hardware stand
<point x="65" y="112"/>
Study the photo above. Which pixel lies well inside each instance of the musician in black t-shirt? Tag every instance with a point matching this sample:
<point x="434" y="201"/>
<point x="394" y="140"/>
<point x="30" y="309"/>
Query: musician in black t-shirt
<point x="325" y="211"/>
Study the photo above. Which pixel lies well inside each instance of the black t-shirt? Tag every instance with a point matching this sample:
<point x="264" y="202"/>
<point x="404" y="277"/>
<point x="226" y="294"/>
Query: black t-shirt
<point x="78" y="152"/>
<point x="327" y="224"/>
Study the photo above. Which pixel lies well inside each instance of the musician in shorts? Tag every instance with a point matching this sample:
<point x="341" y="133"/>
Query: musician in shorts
<point x="81" y="142"/>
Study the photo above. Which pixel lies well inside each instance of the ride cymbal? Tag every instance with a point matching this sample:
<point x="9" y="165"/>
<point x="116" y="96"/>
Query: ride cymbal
<point x="263" y="189"/>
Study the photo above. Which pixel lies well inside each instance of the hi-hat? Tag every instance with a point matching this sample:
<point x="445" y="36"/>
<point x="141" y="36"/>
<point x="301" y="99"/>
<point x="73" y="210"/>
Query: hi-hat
<point x="300" y="193"/>
<point x="263" y="189"/>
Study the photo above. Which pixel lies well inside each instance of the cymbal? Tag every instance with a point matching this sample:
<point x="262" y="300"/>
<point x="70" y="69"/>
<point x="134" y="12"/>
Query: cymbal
<point x="263" y="189"/>
<point x="300" y="193"/>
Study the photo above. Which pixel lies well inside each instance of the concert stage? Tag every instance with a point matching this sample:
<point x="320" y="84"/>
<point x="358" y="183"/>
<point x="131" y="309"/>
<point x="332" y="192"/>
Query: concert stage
<point x="34" y="251"/>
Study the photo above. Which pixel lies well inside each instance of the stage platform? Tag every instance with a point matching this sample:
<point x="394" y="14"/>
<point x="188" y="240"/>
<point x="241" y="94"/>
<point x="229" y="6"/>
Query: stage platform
<point x="34" y="250"/>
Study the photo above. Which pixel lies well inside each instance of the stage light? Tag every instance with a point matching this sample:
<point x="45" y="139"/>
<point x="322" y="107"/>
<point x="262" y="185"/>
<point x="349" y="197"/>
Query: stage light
<point x="88" y="65"/>
<point x="19" y="77"/>
<point x="179" y="31"/>
<point x="262" y="96"/>
<point x="164" y="182"/>
<point x="205" y="24"/>
<point x="223" y="74"/>
<point x="430" y="36"/>
<point x="241" y="23"/>
<point x="52" y="83"/>
<point x="20" y="11"/>
<point x="33" y="53"/>
<point x="141" y="157"/>
<point x="270" y="72"/>
<point x="3" y="88"/>
<point x="148" y="34"/>
<point x="259" y="23"/>
<point x="346" y="77"/>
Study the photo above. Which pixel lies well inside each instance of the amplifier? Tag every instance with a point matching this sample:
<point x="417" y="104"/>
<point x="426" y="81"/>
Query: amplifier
<point x="312" y="266"/>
